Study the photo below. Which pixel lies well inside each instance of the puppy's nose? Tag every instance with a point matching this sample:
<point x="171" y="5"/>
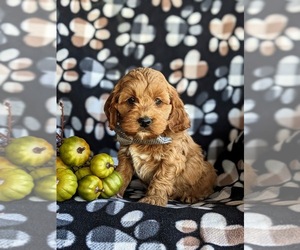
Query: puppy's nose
<point x="145" y="121"/>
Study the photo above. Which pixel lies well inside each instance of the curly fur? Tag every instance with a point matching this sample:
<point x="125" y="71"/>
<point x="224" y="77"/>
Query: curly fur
<point x="171" y="171"/>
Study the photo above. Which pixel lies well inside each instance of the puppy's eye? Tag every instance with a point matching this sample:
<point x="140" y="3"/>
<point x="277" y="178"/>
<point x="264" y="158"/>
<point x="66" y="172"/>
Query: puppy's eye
<point x="131" y="100"/>
<point x="158" y="101"/>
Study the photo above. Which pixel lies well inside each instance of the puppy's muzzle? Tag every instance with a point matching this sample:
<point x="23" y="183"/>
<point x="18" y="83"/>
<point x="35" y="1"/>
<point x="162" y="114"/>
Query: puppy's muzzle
<point x="145" y="121"/>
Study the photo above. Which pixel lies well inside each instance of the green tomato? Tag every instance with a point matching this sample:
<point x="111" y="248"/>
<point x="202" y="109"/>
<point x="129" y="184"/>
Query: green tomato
<point x="111" y="185"/>
<point x="74" y="151"/>
<point x="4" y="164"/>
<point x="102" y="165"/>
<point x="66" y="184"/>
<point x="90" y="187"/>
<point x="41" y="172"/>
<point x="80" y="173"/>
<point x="45" y="187"/>
<point x="29" y="151"/>
<point x="61" y="164"/>
<point x="15" y="184"/>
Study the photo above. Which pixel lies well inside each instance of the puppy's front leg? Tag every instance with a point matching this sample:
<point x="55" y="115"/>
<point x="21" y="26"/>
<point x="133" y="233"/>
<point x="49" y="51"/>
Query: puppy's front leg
<point x="125" y="169"/>
<point x="161" y="186"/>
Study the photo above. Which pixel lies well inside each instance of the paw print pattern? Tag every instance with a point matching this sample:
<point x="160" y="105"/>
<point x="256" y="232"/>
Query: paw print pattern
<point x="9" y="219"/>
<point x="187" y="227"/>
<point x="7" y="29"/>
<point x="64" y="238"/>
<point x="14" y="71"/>
<point x="231" y="86"/>
<point x="123" y="7"/>
<point x="227" y="178"/>
<point x="236" y="118"/>
<point x="147" y="61"/>
<point x="277" y="174"/>
<point x="185" y="28"/>
<point x="250" y="116"/>
<point x="95" y="123"/>
<point x="135" y="50"/>
<point x="64" y="219"/>
<point x="267" y="34"/>
<point x="225" y="34"/>
<point x="28" y="123"/>
<point x="293" y="6"/>
<point x="112" y="208"/>
<point x="102" y="72"/>
<point x="65" y="71"/>
<point x="255" y="6"/>
<point x="288" y="117"/>
<point x="40" y="32"/>
<point x="214" y="6"/>
<point x="91" y="31"/>
<point x="105" y="237"/>
<point x="279" y="83"/>
<point x="210" y="117"/>
<point x="185" y="73"/>
<point x="204" y="116"/>
<point x="62" y="29"/>
<point x="239" y="6"/>
<point x="14" y="238"/>
<point x="48" y="69"/>
<point x="141" y="31"/>
<point x="167" y="4"/>
<point x="33" y="6"/>
<point x="51" y="240"/>
<point x="98" y="118"/>
<point x="76" y="5"/>
<point x="134" y="35"/>
<point x="108" y="237"/>
<point x="214" y="229"/>
<point x="269" y="231"/>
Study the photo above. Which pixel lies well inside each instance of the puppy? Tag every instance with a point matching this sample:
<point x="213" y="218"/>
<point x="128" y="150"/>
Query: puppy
<point x="150" y="122"/>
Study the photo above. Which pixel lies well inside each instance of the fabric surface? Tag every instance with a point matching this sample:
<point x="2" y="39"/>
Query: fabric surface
<point x="83" y="48"/>
<point x="27" y="83"/>
<point x="198" y="46"/>
<point x="272" y="123"/>
<point x="276" y="190"/>
<point x="114" y="223"/>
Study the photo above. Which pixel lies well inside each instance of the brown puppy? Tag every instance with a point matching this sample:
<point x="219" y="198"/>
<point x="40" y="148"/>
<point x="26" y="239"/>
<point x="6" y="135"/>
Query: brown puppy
<point x="150" y="122"/>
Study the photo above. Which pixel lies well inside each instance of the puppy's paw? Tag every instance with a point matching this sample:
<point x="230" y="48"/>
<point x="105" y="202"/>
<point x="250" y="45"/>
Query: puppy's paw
<point x="154" y="200"/>
<point x="190" y="199"/>
<point x="119" y="196"/>
<point x="121" y="192"/>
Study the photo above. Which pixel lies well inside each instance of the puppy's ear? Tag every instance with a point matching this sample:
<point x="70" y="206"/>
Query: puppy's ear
<point x="110" y="109"/>
<point x="178" y="120"/>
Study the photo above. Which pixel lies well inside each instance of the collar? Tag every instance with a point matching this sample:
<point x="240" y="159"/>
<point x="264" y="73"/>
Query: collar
<point x="126" y="140"/>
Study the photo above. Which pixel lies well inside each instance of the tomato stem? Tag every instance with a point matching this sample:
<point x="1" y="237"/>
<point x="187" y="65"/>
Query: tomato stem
<point x="97" y="190"/>
<point x="80" y="150"/>
<point x="108" y="165"/>
<point x="38" y="150"/>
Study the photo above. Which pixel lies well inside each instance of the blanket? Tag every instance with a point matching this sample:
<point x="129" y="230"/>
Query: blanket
<point x="115" y="223"/>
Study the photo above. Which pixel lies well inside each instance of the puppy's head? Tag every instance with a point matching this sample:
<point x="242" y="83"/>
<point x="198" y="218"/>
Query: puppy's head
<point x="145" y="105"/>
